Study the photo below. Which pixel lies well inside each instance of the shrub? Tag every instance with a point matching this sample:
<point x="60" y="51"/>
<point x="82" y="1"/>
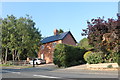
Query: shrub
<point x="112" y="58"/>
<point x="66" y="55"/>
<point x="94" y="58"/>
<point x="115" y="57"/>
<point x="87" y="54"/>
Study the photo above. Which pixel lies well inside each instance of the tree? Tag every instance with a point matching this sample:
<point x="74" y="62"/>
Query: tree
<point x="6" y="35"/>
<point x="84" y="44"/>
<point x="20" y="38"/>
<point x="60" y="31"/>
<point x="104" y="35"/>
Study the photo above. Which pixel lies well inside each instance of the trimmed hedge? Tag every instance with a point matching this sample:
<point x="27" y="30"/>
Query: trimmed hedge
<point x="67" y="55"/>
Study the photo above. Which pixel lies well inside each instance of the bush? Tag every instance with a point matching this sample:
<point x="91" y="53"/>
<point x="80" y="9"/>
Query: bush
<point x="93" y="58"/>
<point x="112" y="58"/>
<point x="66" y="55"/>
<point x="87" y="54"/>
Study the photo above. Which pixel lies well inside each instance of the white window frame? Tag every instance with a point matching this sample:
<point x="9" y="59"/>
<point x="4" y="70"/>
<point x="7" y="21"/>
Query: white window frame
<point x="42" y="47"/>
<point x="54" y="44"/>
<point x="42" y="56"/>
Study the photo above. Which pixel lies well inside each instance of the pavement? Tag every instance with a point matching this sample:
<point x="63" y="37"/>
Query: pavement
<point x="83" y="66"/>
<point x="53" y="67"/>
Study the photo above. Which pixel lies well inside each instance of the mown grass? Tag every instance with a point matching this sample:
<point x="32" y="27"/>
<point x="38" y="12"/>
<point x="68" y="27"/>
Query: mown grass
<point x="5" y="65"/>
<point x="15" y="66"/>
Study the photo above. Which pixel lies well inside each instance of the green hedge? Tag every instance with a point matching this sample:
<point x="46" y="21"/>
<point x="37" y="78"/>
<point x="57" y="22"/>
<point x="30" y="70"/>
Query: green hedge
<point x="66" y="55"/>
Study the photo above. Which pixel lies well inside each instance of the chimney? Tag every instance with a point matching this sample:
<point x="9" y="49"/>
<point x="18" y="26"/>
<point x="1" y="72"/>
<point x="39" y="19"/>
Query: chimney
<point x="55" y="32"/>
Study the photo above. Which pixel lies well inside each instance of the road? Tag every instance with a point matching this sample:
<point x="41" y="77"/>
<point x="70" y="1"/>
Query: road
<point x="52" y="72"/>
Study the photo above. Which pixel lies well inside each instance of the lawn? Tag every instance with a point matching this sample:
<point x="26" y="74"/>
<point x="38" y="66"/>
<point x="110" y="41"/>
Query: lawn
<point x="16" y="66"/>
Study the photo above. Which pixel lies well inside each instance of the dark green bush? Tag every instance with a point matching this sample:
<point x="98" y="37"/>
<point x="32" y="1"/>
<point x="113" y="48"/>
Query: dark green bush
<point x="95" y="58"/>
<point x="66" y="55"/>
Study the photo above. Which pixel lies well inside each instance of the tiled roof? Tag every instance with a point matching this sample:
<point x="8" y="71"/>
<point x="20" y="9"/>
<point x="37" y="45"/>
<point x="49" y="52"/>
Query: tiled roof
<point x="55" y="37"/>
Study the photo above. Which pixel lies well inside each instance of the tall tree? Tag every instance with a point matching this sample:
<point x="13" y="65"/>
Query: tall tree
<point x="19" y="37"/>
<point x="104" y="35"/>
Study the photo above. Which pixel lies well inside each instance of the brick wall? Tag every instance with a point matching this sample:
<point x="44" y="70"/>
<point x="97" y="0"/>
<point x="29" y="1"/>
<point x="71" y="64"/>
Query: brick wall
<point x="48" y="51"/>
<point x="69" y="40"/>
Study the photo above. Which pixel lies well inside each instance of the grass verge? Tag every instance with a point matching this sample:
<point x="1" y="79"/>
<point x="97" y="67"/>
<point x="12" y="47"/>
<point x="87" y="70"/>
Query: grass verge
<point x="15" y="66"/>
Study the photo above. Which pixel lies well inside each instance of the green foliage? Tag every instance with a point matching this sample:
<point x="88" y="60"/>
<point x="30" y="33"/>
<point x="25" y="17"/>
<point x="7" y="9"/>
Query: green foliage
<point x="66" y="55"/>
<point x="87" y="54"/>
<point x="20" y="38"/>
<point x="94" y="58"/>
<point x="85" y="44"/>
<point x="60" y="31"/>
<point x="112" y="57"/>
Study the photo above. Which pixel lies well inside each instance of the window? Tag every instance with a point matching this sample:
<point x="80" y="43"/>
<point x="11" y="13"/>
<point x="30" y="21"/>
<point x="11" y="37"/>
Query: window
<point x="42" y="56"/>
<point x="42" y="47"/>
<point x="54" y="44"/>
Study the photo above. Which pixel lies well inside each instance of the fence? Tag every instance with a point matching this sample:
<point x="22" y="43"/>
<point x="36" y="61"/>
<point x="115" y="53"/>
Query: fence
<point x="19" y="63"/>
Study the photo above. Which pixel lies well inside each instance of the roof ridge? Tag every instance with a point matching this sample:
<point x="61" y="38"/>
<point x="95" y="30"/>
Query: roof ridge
<point x="57" y="34"/>
<point x="54" y="37"/>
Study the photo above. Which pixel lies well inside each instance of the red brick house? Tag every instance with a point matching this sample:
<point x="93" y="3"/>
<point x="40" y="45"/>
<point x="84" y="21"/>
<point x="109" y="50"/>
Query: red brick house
<point x="48" y="44"/>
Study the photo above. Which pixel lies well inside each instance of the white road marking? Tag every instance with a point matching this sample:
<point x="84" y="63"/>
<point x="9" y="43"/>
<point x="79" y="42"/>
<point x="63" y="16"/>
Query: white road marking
<point x="12" y="72"/>
<point x="43" y="76"/>
<point x="16" y="72"/>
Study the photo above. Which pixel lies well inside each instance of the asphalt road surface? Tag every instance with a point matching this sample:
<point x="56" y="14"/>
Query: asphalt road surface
<point x="55" y="73"/>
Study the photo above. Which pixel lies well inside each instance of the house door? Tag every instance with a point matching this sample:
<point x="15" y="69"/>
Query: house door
<point x="42" y="56"/>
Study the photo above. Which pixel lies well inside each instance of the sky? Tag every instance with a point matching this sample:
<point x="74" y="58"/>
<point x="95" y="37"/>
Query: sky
<point x="71" y="16"/>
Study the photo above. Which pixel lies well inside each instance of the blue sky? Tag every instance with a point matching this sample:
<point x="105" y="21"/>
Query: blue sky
<point x="65" y="15"/>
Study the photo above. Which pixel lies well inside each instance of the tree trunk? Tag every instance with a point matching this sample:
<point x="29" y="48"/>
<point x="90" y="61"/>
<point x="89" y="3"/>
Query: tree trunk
<point x="6" y="54"/>
<point x="3" y="57"/>
<point x="13" y="56"/>
<point x="18" y="57"/>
